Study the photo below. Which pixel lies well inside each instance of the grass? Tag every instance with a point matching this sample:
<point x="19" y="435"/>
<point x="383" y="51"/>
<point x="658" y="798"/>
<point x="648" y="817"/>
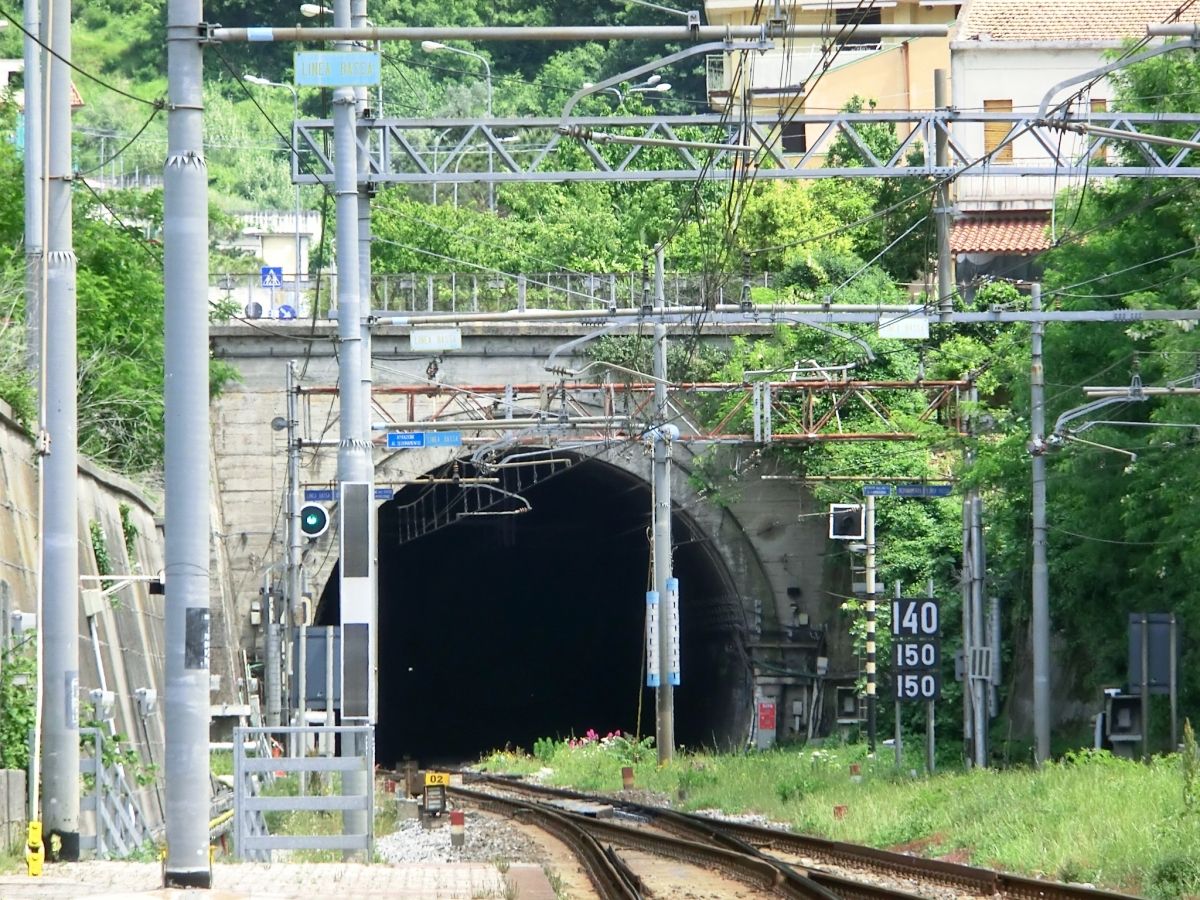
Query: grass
<point x="1090" y="817"/>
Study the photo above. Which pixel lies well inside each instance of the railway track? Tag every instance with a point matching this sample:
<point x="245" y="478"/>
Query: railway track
<point x="741" y="850"/>
<point x="745" y="864"/>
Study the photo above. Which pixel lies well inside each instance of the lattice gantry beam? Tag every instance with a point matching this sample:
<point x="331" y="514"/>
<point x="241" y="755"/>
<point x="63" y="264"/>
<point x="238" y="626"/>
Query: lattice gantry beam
<point x="448" y="151"/>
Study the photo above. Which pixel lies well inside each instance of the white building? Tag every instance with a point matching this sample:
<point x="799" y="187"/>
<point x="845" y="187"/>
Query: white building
<point x="1005" y="55"/>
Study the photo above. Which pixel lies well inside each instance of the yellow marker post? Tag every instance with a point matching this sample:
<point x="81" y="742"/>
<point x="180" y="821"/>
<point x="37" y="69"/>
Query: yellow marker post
<point x="35" y="850"/>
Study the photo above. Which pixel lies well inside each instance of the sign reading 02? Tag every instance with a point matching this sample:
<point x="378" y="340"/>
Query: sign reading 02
<point x="437" y="779"/>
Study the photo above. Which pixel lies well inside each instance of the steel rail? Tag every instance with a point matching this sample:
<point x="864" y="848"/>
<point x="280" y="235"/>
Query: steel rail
<point x="749" y="867"/>
<point x="973" y="878"/>
<point x="610" y="876"/>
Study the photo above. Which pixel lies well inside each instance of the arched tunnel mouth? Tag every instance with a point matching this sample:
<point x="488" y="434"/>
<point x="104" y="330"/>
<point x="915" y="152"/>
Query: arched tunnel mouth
<point x="498" y="627"/>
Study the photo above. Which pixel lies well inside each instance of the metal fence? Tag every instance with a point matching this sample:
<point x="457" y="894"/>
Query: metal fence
<point x="251" y="769"/>
<point x="121" y="826"/>
<point x="475" y="292"/>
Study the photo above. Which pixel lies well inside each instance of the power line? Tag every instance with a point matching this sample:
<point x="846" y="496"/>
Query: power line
<point x="158" y="104"/>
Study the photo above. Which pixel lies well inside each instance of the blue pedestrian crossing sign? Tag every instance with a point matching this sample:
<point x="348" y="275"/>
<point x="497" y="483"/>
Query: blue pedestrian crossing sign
<point x="272" y="276"/>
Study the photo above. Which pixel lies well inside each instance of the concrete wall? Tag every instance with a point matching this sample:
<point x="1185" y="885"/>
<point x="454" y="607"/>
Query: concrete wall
<point x="769" y="535"/>
<point x="121" y="644"/>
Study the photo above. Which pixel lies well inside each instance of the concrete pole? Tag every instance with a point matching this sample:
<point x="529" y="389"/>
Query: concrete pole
<point x="34" y="187"/>
<point x="870" y="576"/>
<point x="1040" y="592"/>
<point x="664" y="696"/>
<point x="356" y="782"/>
<point x="185" y="274"/>
<point x="943" y="212"/>
<point x="60" y="511"/>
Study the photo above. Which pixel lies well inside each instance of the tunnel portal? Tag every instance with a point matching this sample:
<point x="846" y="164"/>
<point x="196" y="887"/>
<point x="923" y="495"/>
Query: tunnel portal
<point x="501" y="628"/>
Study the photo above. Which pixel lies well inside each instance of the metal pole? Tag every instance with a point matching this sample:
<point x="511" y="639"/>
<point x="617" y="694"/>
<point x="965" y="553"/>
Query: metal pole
<point x="1172" y="686"/>
<point x="1145" y="687"/>
<point x="34" y="190"/>
<point x="296" y="168"/>
<point x="965" y="592"/>
<point x="1040" y="593"/>
<point x="59" y="449"/>
<point x="665" y="705"/>
<point x="272" y="650"/>
<point x="295" y="605"/>
<point x="930" y="717"/>
<point x="185" y="276"/>
<point x="870" y="575"/>
<point x="944" y="211"/>
<point x="978" y="682"/>
<point x="899" y="731"/>
<point x="683" y="33"/>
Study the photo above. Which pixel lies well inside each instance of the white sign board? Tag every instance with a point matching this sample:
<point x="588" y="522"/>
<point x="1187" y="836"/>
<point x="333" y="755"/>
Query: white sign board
<point x="912" y="325"/>
<point x="433" y="340"/>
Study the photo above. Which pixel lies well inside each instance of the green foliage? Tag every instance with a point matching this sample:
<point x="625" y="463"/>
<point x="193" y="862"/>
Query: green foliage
<point x="100" y="548"/>
<point x="116" y="750"/>
<point x="18" y="701"/>
<point x="545" y="748"/>
<point x="128" y="530"/>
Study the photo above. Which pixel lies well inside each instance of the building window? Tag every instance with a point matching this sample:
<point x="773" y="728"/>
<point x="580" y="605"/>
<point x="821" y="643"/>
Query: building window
<point x="995" y="132"/>
<point x="852" y="18"/>
<point x="792" y="137"/>
<point x="1100" y="154"/>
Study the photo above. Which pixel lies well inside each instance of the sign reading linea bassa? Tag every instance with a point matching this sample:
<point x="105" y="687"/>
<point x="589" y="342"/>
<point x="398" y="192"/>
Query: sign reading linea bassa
<point x="334" y="68"/>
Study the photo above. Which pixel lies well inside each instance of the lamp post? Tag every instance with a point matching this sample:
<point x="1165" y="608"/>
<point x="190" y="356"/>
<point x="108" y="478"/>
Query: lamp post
<point x="437" y="47"/>
<point x="264" y="82"/>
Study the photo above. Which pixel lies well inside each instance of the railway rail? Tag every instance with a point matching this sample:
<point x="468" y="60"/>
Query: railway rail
<point x="740" y="849"/>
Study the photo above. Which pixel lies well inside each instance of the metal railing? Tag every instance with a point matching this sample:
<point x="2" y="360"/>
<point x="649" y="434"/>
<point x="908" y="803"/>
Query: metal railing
<point x="121" y="828"/>
<point x="252" y="838"/>
<point x="480" y="292"/>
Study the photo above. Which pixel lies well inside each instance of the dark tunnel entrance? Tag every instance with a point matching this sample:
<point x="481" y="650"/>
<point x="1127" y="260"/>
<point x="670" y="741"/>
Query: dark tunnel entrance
<point x="499" y="629"/>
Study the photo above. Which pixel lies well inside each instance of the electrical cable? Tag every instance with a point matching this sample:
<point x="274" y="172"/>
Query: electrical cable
<point x="160" y="103"/>
<point x="137" y="134"/>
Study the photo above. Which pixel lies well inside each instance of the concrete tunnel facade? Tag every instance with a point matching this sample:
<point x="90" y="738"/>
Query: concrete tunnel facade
<point x="505" y="627"/>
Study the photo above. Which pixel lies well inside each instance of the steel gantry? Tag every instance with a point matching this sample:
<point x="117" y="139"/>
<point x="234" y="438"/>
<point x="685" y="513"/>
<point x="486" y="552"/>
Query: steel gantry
<point x="408" y="151"/>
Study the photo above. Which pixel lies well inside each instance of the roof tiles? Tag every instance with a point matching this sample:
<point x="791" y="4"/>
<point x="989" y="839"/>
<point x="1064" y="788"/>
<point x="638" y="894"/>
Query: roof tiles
<point x="1000" y="234"/>
<point x="1065" y="21"/>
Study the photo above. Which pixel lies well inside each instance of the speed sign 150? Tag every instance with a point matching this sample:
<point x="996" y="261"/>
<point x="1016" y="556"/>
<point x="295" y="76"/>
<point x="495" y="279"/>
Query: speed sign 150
<point x="918" y="686"/>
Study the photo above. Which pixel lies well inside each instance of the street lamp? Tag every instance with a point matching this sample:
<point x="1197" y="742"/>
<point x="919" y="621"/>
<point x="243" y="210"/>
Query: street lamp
<point x="438" y="47"/>
<point x="264" y="82"/>
<point x="652" y="85"/>
<point x="312" y="10"/>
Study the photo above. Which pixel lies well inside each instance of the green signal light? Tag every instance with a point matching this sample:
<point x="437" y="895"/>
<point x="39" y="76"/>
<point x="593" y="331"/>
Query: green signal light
<point x="314" y="520"/>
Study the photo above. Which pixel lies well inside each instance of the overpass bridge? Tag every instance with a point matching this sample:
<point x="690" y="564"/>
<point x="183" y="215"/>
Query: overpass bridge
<point x="513" y="568"/>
